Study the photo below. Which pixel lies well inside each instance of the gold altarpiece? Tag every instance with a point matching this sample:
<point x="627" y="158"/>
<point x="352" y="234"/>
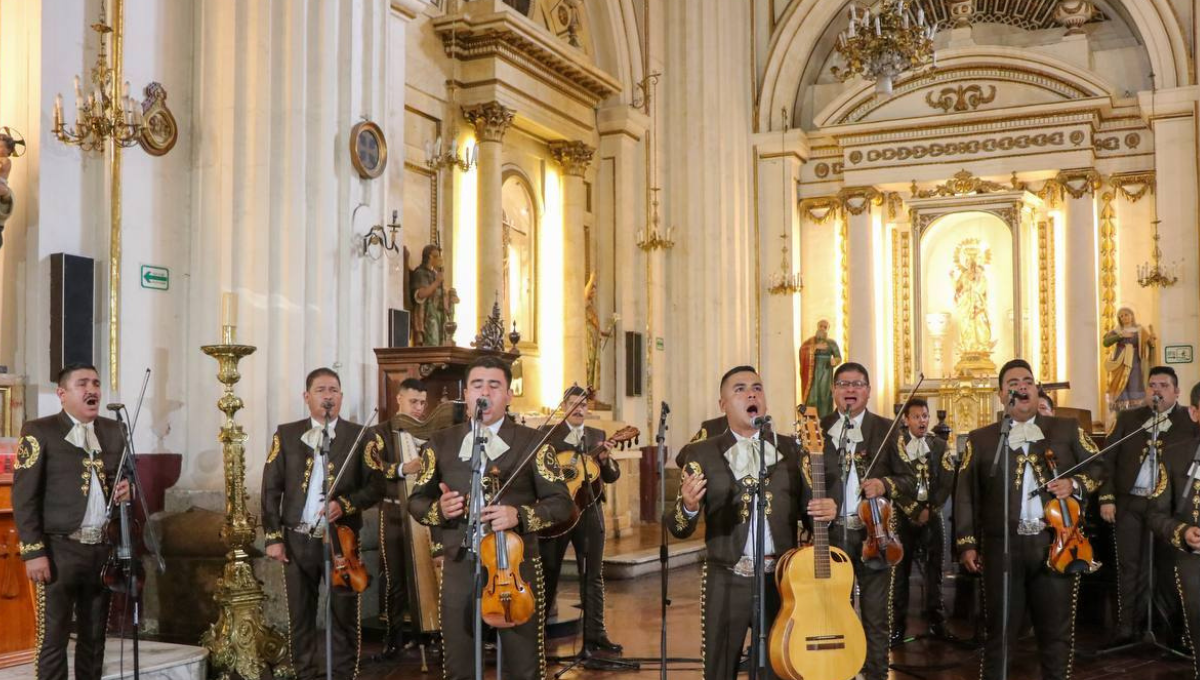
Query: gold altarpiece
<point x="972" y="287"/>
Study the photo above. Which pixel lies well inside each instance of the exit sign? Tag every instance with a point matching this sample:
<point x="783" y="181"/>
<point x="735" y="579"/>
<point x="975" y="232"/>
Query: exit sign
<point x="155" y="278"/>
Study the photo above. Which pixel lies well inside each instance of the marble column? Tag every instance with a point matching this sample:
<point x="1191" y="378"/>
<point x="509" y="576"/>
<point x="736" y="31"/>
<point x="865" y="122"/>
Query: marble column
<point x="574" y="157"/>
<point x="859" y="208"/>
<point x="491" y="121"/>
<point x="1081" y="295"/>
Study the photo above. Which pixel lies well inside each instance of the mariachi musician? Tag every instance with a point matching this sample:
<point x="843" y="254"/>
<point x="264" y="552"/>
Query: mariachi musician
<point x="292" y="490"/>
<point x="536" y="499"/>
<point x="61" y="521"/>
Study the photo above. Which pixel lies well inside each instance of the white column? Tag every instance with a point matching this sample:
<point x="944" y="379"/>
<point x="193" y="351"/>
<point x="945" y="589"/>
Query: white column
<point x="1175" y="157"/>
<point x="864" y="310"/>
<point x="574" y="157"/>
<point x="491" y="121"/>
<point x="1081" y="295"/>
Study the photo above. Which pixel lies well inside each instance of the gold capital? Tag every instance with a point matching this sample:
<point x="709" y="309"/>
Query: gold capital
<point x="491" y="120"/>
<point x="575" y="157"/>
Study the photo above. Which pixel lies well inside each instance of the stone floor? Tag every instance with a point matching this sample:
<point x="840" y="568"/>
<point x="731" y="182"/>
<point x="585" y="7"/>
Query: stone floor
<point x="633" y="618"/>
<point x="159" y="661"/>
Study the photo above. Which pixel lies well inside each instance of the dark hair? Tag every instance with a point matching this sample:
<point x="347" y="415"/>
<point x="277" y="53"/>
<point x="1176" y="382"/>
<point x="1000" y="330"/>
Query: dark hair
<point x="734" y="370"/>
<point x="1042" y="395"/>
<point x="1012" y="363"/>
<point x="64" y="373"/>
<point x="851" y="366"/>
<point x="490" y="361"/>
<point x="9" y="142"/>
<point x="915" y="402"/>
<point x="1164" y="370"/>
<point x="574" y="391"/>
<point x="413" y="384"/>
<point x="1196" y="395"/>
<point x="320" y="372"/>
<point x="427" y="251"/>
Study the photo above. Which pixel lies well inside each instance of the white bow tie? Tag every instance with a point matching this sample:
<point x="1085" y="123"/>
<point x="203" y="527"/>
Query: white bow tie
<point x="574" y="437"/>
<point x="84" y="436"/>
<point x="917" y="448"/>
<point x="493" y="449"/>
<point x="743" y="458"/>
<point x="853" y="435"/>
<point x="1024" y="433"/>
<point x="312" y="438"/>
<point x="1164" y="423"/>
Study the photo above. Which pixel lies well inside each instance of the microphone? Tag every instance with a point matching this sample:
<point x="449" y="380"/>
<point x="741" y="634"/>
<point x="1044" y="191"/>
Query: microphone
<point x="762" y="421"/>
<point x="665" y="409"/>
<point x="115" y="406"/>
<point x="481" y="404"/>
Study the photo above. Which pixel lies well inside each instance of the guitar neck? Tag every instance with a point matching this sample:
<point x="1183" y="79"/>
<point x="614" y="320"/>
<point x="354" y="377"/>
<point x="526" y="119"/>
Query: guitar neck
<point x="820" y="529"/>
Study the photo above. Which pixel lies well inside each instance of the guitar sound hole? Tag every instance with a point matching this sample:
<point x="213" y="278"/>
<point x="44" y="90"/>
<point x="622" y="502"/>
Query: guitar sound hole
<point x="569" y="474"/>
<point x="837" y="557"/>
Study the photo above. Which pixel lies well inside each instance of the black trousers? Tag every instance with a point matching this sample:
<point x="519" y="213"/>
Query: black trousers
<point x="394" y="550"/>
<point x="303" y="574"/>
<point x="1048" y="598"/>
<point x="874" y="600"/>
<point x="1133" y="546"/>
<point x="75" y="589"/>
<point x="1187" y="583"/>
<point x="924" y="545"/>
<point x="522" y="647"/>
<point x="588" y="539"/>
<point x="726" y="605"/>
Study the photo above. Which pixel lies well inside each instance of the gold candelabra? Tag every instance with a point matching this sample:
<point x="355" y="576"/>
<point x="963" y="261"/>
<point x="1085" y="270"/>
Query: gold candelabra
<point x="105" y="114"/>
<point x="884" y="45"/>
<point x="653" y="237"/>
<point x="239" y="642"/>
<point x="1154" y="274"/>
<point x="785" y="281"/>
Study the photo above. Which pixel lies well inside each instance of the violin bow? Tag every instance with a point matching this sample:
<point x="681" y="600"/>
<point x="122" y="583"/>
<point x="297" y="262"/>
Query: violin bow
<point x="895" y="421"/>
<point x="528" y="455"/>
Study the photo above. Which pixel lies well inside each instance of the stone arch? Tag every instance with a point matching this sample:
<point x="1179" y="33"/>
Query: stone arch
<point x="805" y="23"/>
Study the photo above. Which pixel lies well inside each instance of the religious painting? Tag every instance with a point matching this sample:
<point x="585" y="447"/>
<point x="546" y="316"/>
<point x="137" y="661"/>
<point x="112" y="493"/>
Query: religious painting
<point x="520" y="215"/>
<point x="368" y="149"/>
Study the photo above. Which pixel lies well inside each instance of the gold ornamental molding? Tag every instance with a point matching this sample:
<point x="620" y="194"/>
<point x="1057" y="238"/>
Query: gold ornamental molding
<point x="844" y="267"/>
<point x="960" y="98"/>
<point x="1133" y="186"/>
<point x="1108" y="263"/>
<point x="574" y="157"/>
<point x="1047" y="283"/>
<point x="1080" y="182"/>
<point x="490" y="120"/>
<point x="857" y="200"/>
<point x="902" y="294"/>
<point x="820" y="210"/>
<point x="964" y="183"/>
<point x="971" y="147"/>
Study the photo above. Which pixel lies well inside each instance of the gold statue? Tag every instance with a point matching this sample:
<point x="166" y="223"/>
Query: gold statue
<point x="970" y="297"/>
<point x="596" y="338"/>
<point x="1127" y="367"/>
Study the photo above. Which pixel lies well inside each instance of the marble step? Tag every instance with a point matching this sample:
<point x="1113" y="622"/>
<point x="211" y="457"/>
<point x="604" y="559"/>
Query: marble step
<point x="159" y="661"/>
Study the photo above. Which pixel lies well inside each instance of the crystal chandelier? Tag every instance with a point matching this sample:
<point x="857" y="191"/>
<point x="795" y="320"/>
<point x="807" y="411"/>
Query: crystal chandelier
<point x="1154" y="274"/>
<point x="882" y="46"/>
<point x="102" y="115"/>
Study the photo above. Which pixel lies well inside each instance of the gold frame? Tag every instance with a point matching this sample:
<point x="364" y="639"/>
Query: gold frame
<point x="371" y="128"/>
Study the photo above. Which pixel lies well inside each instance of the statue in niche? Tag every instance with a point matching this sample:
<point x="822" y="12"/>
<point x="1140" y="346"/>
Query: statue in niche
<point x="969" y="276"/>
<point x="597" y="337"/>
<point x="1132" y="355"/>
<point x="8" y="151"/>
<point x="819" y="355"/>
<point x="432" y="304"/>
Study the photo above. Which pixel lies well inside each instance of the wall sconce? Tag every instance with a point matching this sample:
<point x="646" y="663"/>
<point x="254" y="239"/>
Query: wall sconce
<point x="377" y="238"/>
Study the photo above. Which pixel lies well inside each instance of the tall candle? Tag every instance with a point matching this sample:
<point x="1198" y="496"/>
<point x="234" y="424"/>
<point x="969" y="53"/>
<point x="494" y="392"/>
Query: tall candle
<point x="228" y="309"/>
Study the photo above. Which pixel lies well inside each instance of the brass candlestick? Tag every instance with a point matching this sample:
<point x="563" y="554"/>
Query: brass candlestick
<point x="240" y="642"/>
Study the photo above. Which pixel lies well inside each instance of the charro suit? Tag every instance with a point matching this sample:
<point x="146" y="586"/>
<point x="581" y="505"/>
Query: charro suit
<point x="979" y="524"/>
<point x="874" y="585"/>
<point x="51" y="484"/>
<point x="936" y="474"/>
<point x="713" y="427"/>
<point x="1173" y="509"/>
<point x="286" y="479"/>
<point x="541" y="499"/>
<point x="588" y="534"/>
<point x="1133" y="549"/>
<point x="727" y="507"/>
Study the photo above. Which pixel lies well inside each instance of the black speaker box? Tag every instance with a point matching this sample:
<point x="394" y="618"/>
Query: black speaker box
<point x="398" y="328"/>
<point x="634" y="356"/>
<point x="72" y="310"/>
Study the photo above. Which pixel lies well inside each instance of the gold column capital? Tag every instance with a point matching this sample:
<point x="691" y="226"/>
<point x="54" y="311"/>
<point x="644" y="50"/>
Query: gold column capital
<point x="1080" y="182"/>
<point x="857" y="200"/>
<point x="491" y="120"/>
<point x="574" y="157"/>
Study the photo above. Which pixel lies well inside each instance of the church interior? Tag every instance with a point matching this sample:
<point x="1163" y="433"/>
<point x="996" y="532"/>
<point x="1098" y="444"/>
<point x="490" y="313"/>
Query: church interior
<point x="628" y="196"/>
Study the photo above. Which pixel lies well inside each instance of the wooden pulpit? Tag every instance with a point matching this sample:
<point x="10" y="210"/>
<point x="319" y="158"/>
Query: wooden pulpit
<point x="442" y="369"/>
<point x="19" y="632"/>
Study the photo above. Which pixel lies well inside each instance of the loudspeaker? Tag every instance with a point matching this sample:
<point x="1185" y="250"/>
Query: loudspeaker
<point x="634" y="355"/>
<point x="397" y="328"/>
<point x="72" y="310"/>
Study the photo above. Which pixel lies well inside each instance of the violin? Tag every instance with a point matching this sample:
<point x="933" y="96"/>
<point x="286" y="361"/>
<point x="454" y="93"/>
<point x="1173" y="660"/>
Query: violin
<point x="881" y="547"/>
<point x="347" y="570"/>
<point x="507" y="599"/>
<point x="1070" y="553"/>
<point x="113" y="574"/>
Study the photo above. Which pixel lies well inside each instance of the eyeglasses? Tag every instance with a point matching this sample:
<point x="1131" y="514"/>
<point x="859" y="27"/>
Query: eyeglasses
<point x="858" y="384"/>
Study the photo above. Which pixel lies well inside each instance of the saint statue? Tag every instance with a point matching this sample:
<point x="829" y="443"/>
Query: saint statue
<point x="818" y="357"/>
<point x="970" y="297"/>
<point x="596" y="336"/>
<point x="432" y="304"/>
<point x="1127" y="367"/>
<point x="7" y="203"/>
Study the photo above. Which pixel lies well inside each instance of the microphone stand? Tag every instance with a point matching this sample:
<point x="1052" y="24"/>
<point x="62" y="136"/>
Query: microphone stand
<point x="758" y="624"/>
<point x="660" y="439"/>
<point x="847" y="461"/>
<point x="475" y="530"/>
<point x="1006" y="561"/>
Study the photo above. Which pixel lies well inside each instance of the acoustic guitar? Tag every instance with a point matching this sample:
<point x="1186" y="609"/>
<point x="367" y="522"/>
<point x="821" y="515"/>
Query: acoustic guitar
<point x="582" y="474"/>
<point x="816" y="635"/>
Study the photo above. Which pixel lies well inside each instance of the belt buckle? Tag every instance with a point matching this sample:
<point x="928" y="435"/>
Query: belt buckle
<point x="1030" y="527"/>
<point x="91" y="535"/>
<point x="854" y="522"/>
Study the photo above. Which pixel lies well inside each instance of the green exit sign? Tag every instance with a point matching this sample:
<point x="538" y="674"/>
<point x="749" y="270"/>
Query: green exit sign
<point x="155" y="278"/>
